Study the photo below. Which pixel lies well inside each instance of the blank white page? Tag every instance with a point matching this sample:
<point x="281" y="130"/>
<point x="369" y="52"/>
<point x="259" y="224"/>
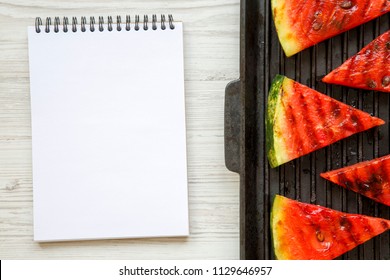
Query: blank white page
<point x="108" y="133"/>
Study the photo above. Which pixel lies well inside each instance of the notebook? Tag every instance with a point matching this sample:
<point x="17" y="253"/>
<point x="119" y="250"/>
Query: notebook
<point x="108" y="128"/>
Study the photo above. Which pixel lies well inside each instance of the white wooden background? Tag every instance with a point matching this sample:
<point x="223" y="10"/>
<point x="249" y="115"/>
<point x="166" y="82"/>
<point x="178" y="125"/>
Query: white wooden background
<point x="211" y="51"/>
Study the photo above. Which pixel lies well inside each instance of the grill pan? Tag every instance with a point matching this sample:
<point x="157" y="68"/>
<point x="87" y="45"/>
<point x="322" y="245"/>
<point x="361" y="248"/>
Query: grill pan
<point x="261" y="58"/>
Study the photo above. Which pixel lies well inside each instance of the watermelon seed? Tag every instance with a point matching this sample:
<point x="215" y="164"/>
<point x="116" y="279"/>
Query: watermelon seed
<point x="386" y="81"/>
<point x="316" y="26"/>
<point x="320" y="236"/>
<point x="344" y="223"/>
<point x="388" y="45"/>
<point x="371" y="84"/>
<point x="346" y="4"/>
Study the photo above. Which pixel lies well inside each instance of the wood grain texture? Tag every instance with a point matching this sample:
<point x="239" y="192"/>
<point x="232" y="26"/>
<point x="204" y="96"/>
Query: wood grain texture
<point x="211" y="58"/>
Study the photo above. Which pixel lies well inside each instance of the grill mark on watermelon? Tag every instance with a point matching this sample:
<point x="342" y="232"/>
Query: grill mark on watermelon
<point x="343" y="180"/>
<point x="352" y="180"/>
<point x="355" y="118"/>
<point x="338" y="22"/>
<point x="364" y="9"/>
<point x="356" y="234"/>
<point x="295" y="114"/>
<point x="352" y="235"/>
<point x="384" y="5"/>
<point x="385" y="170"/>
<point x="385" y="225"/>
<point x="294" y="138"/>
<point x="336" y="110"/>
<point x="371" y="186"/>
<point x="329" y="110"/>
<point x="321" y="110"/>
<point x="368" y="61"/>
<point x="362" y="186"/>
<point x="346" y="226"/>
<point x="353" y="125"/>
<point x="303" y="110"/>
<point x="295" y="11"/>
<point x="319" y="106"/>
<point x="353" y="64"/>
<point x="344" y="223"/>
<point x="376" y="180"/>
<point x="346" y="72"/>
<point x="332" y="113"/>
<point x="343" y="242"/>
<point x="367" y="228"/>
<point x="342" y="120"/>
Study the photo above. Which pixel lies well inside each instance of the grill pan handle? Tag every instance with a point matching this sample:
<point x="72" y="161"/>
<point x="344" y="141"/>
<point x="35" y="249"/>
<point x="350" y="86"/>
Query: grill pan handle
<point x="232" y="126"/>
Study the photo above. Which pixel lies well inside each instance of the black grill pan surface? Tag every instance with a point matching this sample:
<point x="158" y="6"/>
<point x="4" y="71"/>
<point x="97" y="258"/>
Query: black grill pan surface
<point x="261" y="58"/>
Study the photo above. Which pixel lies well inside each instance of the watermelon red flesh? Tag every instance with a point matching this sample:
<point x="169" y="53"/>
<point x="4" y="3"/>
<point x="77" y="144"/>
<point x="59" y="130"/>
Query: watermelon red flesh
<point x="369" y="178"/>
<point x="304" y="23"/>
<point x="301" y="120"/>
<point x="368" y="69"/>
<point x="303" y="231"/>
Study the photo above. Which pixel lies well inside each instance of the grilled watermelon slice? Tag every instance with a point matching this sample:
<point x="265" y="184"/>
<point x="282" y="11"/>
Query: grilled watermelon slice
<point x="369" y="178"/>
<point x="303" y="231"/>
<point x="368" y="69"/>
<point x="300" y="120"/>
<point x="304" y="23"/>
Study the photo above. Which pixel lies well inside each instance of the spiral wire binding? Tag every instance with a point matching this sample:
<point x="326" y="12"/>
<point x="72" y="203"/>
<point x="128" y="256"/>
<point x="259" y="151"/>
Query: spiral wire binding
<point x="56" y="24"/>
<point x="92" y="24"/>
<point x="101" y="22"/>
<point x="38" y="21"/>
<point x="163" y="22"/>
<point x="154" y="22"/>
<point x="74" y="24"/>
<point x="146" y="22"/>
<point x="83" y="23"/>
<point x="65" y="24"/>
<point x="48" y="23"/>
<point x="136" y="28"/>
<point x="128" y="21"/>
<point x="118" y="23"/>
<point x="110" y="23"/>
<point x="170" y="19"/>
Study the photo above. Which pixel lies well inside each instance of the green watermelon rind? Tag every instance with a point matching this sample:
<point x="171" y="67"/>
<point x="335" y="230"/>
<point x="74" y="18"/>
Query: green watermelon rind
<point x="274" y="101"/>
